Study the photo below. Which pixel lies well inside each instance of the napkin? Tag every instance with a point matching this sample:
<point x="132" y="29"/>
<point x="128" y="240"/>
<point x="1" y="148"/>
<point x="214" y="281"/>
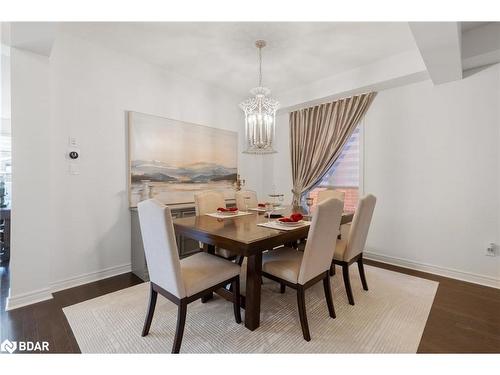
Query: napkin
<point x="231" y="209"/>
<point x="292" y="219"/>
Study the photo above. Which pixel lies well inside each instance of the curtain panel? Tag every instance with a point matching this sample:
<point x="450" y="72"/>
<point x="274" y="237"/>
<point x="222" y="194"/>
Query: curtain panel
<point x="318" y="135"/>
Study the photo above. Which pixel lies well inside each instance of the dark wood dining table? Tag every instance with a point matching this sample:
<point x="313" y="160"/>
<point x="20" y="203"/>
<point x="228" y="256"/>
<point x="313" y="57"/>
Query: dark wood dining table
<point x="243" y="237"/>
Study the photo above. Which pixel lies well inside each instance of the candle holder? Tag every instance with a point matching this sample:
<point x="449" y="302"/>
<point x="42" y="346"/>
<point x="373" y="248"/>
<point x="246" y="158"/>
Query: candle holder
<point x="239" y="183"/>
<point x="309" y="203"/>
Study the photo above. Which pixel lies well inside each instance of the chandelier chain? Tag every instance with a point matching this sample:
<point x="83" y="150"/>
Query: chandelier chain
<point x="260" y="66"/>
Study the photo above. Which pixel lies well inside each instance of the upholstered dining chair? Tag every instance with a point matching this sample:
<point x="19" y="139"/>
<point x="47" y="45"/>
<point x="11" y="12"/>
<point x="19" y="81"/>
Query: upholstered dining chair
<point x="207" y="202"/>
<point x="243" y="203"/>
<point x="301" y="270"/>
<point x="336" y="194"/>
<point x="350" y="250"/>
<point x="180" y="281"/>
<point x="331" y="193"/>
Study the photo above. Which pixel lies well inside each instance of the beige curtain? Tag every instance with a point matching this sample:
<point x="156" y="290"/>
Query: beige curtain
<point x="317" y="136"/>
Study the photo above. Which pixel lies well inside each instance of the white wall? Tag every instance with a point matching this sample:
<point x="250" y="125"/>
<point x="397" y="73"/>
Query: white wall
<point x="432" y="160"/>
<point x="90" y="89"/>
<point x="5" y="82"/>
<point x="31" y="212"/>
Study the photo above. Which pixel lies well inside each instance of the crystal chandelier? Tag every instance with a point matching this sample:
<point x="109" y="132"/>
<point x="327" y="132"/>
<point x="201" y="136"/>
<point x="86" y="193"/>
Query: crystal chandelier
<point x="260" y="115"/>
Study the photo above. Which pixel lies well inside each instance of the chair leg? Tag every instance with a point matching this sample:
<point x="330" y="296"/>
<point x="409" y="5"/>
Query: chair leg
<point x="236" y="300"/>
<point x="239" y="260"/>
<point x="282" y="288"/>
<point x="362" y="273"/>
<point x="328" y="296"/>
<point x="332" y="269"/>
<point x="151" y="310"/>
<point x="301" y="302"/>
<point x="210" y="249"/>
<point x="347" y="283"/>
<point x="181" y="321"/>
<point x="207" y="297"/>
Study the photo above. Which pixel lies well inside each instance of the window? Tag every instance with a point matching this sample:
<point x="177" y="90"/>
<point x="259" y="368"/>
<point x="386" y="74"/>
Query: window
<point x="344" y="174"/>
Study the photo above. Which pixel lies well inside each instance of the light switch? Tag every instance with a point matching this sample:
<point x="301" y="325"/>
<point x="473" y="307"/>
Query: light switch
<point x="73" y="142"/>
<point x="74" y="169"/>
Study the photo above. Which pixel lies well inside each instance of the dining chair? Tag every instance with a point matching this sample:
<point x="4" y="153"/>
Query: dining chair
<point x="331" y="193"/>
<point x="336" y="194"/>
<point x="250" y="202"/>
<point x="350" y="250"/>
<point x="301" y="270"/>
<point x="180" y="281"/>
<point x="207" y="202"/>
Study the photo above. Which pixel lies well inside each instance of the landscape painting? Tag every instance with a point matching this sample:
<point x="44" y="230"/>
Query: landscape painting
<point x="170" y="160"/>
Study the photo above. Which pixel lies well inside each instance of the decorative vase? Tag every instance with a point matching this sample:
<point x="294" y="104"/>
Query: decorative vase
<point x="146" y="189"/>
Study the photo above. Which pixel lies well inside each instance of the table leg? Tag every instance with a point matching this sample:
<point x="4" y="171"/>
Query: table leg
<point x="210" y="250"/>
<point x="253" y="287"/>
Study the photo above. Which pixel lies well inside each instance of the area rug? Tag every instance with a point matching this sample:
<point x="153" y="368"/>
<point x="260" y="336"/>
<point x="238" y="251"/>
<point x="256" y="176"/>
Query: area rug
<point x="389" y="318"/>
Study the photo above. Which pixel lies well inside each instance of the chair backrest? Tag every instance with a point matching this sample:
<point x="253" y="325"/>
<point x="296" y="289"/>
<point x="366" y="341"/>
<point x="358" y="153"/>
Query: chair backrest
<point x="241" y="202"/>
<point x="160" y="247"/>
<point x="321" y="240"/>
<point x="330" y="193"/>
<point x="359" y="227"/>
<point x="207" y="202"/>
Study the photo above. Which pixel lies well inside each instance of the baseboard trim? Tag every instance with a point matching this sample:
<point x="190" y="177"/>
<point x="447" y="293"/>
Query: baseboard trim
<point x="90" y="277"/>
<point x="25" y="299"/>
<point x="437" y="270"/>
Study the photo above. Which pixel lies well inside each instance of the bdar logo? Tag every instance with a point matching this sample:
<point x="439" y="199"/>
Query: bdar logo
<point x="8" y="346"/>
<point x="24" y="346"/>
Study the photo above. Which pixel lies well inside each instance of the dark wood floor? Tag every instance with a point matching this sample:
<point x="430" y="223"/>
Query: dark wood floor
<point x="464" y="317"/>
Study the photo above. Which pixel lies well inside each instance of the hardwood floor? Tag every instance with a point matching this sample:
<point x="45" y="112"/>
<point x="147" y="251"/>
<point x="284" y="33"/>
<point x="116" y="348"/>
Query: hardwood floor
<point x="464" y="317"/>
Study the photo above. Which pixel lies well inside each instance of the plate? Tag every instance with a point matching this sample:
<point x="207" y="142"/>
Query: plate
<point x="227" y="213"/>
<point x="258" y="209"/>
<point x="291" y="224"/>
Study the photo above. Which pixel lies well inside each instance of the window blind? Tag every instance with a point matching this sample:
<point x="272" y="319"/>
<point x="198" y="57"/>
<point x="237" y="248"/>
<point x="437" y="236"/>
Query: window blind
<point x="345" y="171"/>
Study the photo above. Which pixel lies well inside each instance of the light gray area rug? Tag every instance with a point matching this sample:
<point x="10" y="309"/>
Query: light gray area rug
<point x="389" y="318"/>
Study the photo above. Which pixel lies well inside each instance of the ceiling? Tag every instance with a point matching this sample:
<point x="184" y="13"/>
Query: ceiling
<point x="224" y="53"/>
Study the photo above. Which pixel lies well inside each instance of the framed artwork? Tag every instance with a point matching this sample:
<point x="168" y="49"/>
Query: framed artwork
<point x="170" y="160"/>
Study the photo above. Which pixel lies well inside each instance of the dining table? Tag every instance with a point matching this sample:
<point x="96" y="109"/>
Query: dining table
<point x="243" y="237"/>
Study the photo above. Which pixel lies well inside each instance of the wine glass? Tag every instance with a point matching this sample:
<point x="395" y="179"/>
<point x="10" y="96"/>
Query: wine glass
<point x="281" y="198"/>
<point x="309" y="203"/>
<point x="269" y="209"/>
<point x="247" y="199"/>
